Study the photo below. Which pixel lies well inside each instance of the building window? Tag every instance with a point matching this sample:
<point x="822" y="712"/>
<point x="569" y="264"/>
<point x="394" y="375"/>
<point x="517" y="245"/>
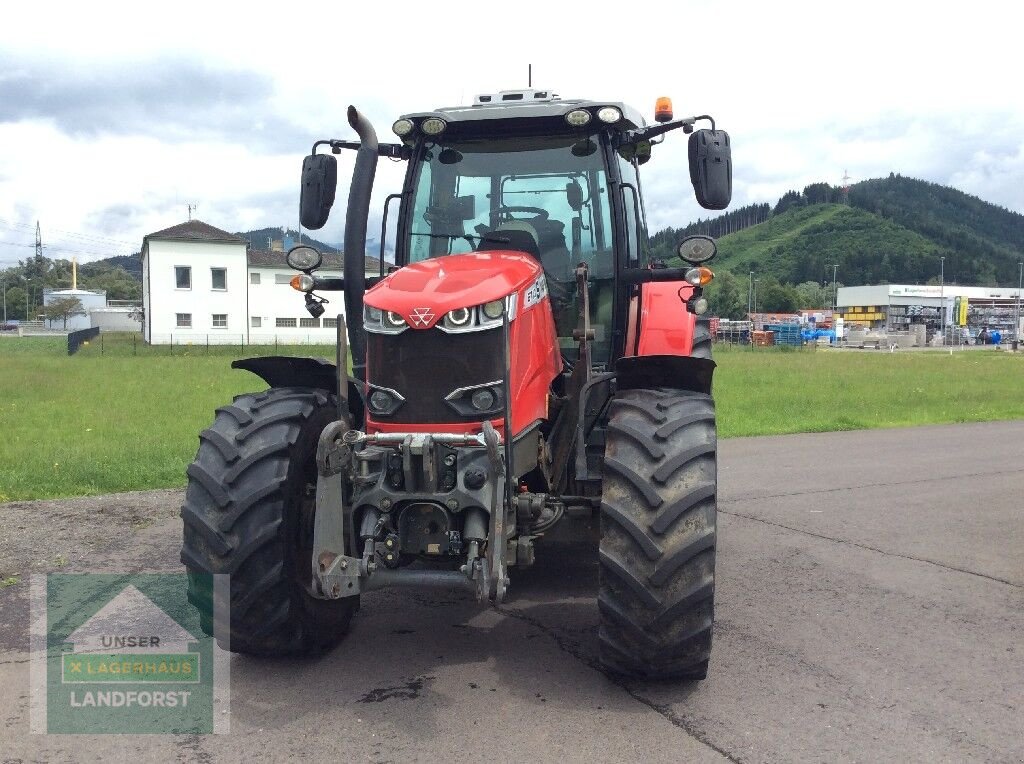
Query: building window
<point x="182" y="277"/>
<point x="255" y="322"/>
<point x="309" y="323"/>
<point x="219" y="278"/>
<point x="286" y="323"/>
<point x="330" y="323"/>
<point x="282" y="278"/>
<point x="254" y="278"/>
<point x="184" y="320"/>
<point x="220" y="320"/>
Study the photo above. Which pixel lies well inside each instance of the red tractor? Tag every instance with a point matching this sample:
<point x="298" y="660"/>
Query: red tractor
<point x="525" y="357"/>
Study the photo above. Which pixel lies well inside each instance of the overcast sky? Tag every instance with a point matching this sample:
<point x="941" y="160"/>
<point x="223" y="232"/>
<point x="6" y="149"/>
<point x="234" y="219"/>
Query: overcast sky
<point x="114" y="117"/>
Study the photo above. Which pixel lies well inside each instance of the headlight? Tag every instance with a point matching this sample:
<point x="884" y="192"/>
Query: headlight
<point x="383" y="401"/>
<point x="459" y="318"/>
<point x="377" y="321"/>
<point x="493" y="309"/>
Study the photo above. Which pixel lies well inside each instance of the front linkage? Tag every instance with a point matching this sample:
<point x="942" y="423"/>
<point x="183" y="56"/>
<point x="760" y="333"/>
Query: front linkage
<point x="346" y="456"/>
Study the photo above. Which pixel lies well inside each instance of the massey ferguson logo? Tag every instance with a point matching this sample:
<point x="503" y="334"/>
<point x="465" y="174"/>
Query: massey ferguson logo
<point x="421" y="316"/>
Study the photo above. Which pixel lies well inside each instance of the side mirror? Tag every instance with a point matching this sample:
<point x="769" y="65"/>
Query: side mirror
<point x="319" y="182"/>
<point x="574" y="195"/>
<point x="711" y="168"/>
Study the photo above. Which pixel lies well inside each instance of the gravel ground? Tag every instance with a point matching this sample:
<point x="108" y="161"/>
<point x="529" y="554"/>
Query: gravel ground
<point x="69" y="534"/>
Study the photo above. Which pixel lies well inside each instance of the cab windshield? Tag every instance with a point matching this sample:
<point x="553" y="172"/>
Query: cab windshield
<point x="546" y="196"/>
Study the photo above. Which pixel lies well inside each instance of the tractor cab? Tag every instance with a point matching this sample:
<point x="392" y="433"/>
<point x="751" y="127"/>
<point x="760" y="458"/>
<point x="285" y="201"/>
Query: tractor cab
<point x="535" y="175"/>
<point x="526" y="171"/>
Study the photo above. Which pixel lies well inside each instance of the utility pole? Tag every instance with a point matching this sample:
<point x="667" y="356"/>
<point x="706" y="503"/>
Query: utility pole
<point x="942" y="295"/>
<point x="755" y="297"/>
<point x="3" y="286"/>
<point x="1020" y="282"/>
<point x="750" y="291"/>
<point x="835" y="294"/>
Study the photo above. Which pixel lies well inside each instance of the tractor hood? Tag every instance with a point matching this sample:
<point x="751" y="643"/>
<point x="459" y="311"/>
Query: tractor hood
<point x="431" y="288"/>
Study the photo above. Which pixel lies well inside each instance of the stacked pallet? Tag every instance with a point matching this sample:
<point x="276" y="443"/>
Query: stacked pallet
<point x="762" y="339"/>
<point x="785" y="334"/>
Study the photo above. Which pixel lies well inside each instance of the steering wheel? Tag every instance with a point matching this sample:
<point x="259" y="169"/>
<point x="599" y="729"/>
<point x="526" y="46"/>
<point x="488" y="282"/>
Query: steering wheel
<point x="541" y="213"/>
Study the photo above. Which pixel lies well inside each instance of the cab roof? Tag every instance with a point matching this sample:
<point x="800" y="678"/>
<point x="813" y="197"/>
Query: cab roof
<point x="527" y="105"/>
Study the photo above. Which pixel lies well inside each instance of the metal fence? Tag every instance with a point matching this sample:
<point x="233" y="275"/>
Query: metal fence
<point x="81" y="337"/>
<point x="228" y="345"/>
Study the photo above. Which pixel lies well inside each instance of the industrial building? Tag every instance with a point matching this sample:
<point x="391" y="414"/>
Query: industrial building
<point x="898" y="307"/>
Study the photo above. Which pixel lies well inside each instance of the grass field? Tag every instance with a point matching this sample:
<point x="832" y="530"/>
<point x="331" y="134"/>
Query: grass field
<point x="95" y="423"/>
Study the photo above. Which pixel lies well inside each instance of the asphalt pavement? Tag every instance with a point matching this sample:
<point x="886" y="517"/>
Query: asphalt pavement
<point x="869" y="607"/>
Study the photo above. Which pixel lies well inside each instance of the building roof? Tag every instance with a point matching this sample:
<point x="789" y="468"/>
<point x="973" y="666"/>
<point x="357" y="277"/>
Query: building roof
<point x="194" y="230"/>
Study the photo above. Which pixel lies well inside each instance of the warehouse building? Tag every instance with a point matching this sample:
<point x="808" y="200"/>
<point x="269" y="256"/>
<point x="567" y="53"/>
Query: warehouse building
<point x="897" y="307"/>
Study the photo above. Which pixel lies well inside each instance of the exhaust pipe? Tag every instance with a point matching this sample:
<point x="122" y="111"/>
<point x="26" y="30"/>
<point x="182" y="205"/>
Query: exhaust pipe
<point x="355" y="237"/>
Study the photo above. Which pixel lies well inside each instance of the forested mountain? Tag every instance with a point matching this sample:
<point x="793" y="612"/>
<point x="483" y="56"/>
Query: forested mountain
<point x="893" y="229"/>
<point x="260" y="238"/>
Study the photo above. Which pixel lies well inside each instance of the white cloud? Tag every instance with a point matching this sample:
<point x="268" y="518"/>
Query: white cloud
<point x="142" y="111"/>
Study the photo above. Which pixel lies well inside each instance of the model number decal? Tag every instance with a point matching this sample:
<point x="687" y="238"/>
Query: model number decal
<point x="535" y="293"/>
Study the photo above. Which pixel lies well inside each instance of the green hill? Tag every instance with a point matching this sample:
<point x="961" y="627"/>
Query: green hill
<point x="803" y="243"/>
<point x="894" y="229"/>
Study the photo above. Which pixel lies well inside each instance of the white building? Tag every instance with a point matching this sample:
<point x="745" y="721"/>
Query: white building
<point x="87" y="299"/>
<point x="202" y="285"/>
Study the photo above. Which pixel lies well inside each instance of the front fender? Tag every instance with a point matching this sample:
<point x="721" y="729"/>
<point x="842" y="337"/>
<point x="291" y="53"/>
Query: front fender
<point x="300" y="371"/>
<point x="679" y="372"/>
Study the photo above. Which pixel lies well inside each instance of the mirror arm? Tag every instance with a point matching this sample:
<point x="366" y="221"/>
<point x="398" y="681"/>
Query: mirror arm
<point x="390" y="150"/>
<point x="652" y="131"/>
<point x="337" y="284"/>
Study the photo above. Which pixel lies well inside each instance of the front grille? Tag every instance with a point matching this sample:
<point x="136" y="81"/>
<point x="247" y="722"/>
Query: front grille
<point x="424" y="366"/>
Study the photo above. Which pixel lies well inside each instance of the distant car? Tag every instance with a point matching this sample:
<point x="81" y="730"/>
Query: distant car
<point x="8" y="327"/>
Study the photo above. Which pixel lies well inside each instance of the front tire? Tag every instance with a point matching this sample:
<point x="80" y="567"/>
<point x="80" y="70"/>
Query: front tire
<point x="658" y="526"/>
<point x="248" y="512"/>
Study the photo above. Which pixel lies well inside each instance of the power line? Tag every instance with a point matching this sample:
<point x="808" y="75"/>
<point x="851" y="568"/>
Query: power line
<point x="71" y="234"/>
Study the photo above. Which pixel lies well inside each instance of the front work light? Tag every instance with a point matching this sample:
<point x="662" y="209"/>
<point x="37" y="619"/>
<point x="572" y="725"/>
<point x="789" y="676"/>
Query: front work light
<point x="402" y="127"/>
<point x="609" y="115"/>
<point x="433" y="126"/>
<point x="578" y="117"/>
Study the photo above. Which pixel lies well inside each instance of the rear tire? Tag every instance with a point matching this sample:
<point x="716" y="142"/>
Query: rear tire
<point x="248" y="512"/>
<point x="657" y="552"/>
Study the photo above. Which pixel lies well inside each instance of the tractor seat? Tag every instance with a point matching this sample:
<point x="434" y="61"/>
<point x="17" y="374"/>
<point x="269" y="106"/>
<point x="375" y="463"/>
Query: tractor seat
<point x="522" y="237"/>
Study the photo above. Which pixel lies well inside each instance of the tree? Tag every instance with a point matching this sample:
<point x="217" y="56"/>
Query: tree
<point x="774" y="297"/>
<point x="63" y="308"/>
<point x="16" y="303"/>
<point x="724" y="297"/>
<point x="811" y="294"/>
